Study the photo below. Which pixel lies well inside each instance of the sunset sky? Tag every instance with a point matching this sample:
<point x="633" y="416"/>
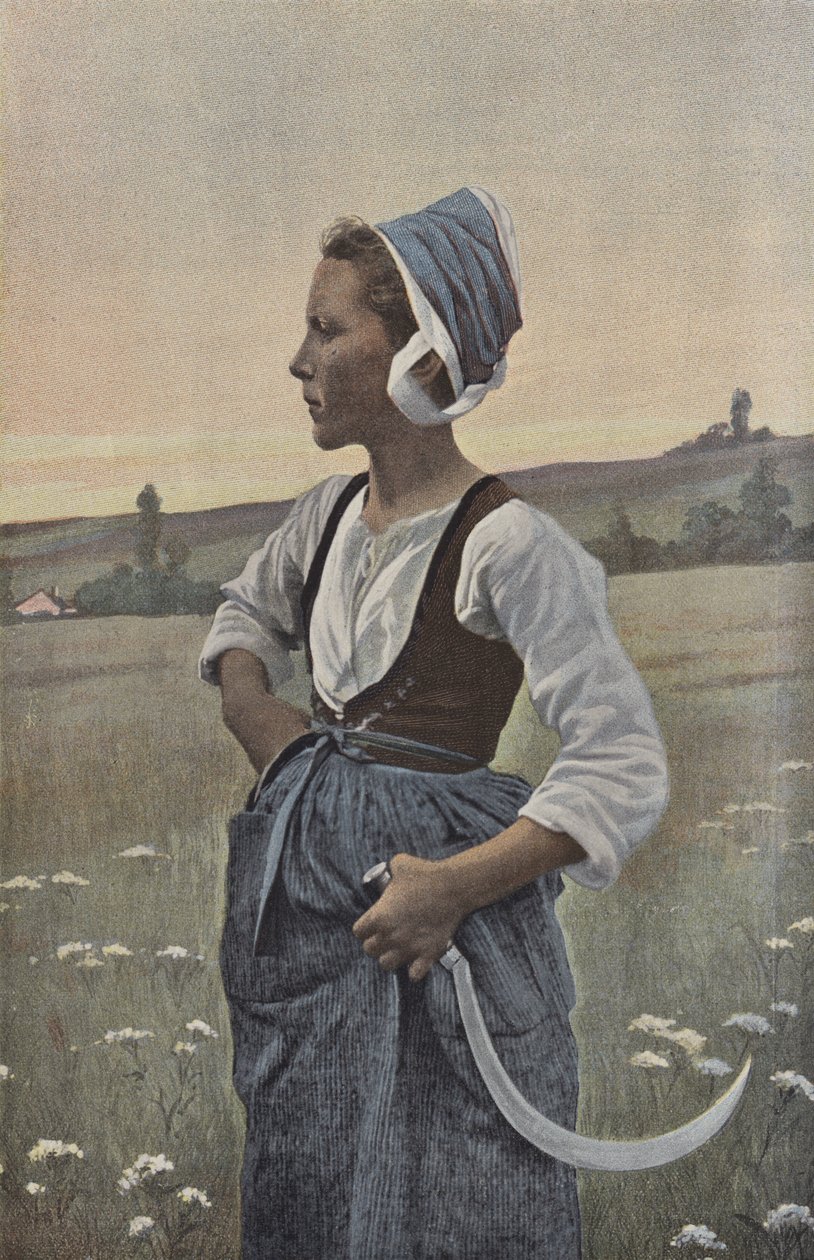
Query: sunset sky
<point x="169" y="167"/>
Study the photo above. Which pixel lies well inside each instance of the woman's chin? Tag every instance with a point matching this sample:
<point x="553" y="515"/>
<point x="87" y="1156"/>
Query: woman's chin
<point x="326" y="437"/>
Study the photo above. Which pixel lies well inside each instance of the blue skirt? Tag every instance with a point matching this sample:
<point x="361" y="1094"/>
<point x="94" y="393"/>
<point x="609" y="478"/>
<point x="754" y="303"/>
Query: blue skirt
<point x="370" y="1135"/>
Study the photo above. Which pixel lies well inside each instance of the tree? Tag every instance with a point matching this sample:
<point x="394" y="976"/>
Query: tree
<point x="762" y="498"/>
<point x="148" y="529"/>
<point x="713" y="438"/>
<point x="622" y="550"/>
<point x="739" y="410"/>
<point x="158" y="585"/>
<point x="705" y="528"/>
<point x="176" y="555"/>
<point x="798" y="544"/>
<point x="8" y="613"/>
<point x="622" y="539"/>
<point x="134" y="593"/>
<point x="727" y="433"/>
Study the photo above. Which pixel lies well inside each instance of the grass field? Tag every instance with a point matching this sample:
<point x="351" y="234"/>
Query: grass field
<point x="111" y="743"/>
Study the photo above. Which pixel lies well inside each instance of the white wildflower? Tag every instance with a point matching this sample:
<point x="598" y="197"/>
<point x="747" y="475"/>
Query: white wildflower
<point x="89" y="962"/>
<point x="697" y="1236"/>
<point x="173" y="951"/>
<point x="117" y="951"/>
<point x="797" y="841"/>
<point x="750" y="1023"/>
<point x="200" y="1026"/>
<point x="33" y="960"/>
<point x="806" y="926"/>
<point x="22" y="881"/>
<point x="185" y="1047"/>
<point x="142" y="850"/>
<point x="712" y="1067"/>
<point x="650" y="1024"/>
<point x="72" y="947"/>
<point x="786" y="1008"/>
<point x="792" y="1215"/>
<point x="793" y="1083"/>
<point x="795" y="765"/>
<point x="48" y="1148"/>
<point x="190" y="1195"/>
<point x="646" y="1059"/>
<point x="68" y="877"/>
<point x="127" y="1034"/>
<point x="754" y="807"/>
<point x="690" y="1041"/>
<point x="5" y="1073"/>
<point x="140" y="1226"/>
<point x="34" y="1187"/>
<point x="778" y="942"/>
<point x="145" y="1167"/>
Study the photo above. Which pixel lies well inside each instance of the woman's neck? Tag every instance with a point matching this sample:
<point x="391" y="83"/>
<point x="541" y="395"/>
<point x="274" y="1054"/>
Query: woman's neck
<point x="414" y="472"/>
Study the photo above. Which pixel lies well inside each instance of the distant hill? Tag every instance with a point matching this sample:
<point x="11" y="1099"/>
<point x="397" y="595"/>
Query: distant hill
<point x="655" y="492"/>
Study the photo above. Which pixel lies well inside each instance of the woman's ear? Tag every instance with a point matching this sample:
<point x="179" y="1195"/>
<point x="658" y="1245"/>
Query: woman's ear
<point x="431" y="374"/>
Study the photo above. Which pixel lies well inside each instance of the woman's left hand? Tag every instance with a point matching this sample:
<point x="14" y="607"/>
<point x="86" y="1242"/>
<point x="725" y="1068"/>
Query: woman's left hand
<point x="414" y="919"/>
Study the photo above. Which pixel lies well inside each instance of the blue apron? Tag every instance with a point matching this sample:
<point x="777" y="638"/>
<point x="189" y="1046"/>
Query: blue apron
<point x="370" y="1135"/>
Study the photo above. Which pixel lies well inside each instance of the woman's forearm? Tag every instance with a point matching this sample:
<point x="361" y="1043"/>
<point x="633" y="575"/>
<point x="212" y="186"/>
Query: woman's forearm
<point x="260" y="722"/>
<point x="423" y="905"/>
<point x="492" y="870"/>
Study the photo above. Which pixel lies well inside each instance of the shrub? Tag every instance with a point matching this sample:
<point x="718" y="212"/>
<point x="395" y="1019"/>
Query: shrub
<point x="146" y="593"/>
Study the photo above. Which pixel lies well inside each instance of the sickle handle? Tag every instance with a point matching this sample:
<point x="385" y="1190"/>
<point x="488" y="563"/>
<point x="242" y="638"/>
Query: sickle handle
<point x="375" y="880"/>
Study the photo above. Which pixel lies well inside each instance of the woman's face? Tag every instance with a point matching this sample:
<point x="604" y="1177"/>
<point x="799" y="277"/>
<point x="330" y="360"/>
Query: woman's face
<point x="344" y="361"/>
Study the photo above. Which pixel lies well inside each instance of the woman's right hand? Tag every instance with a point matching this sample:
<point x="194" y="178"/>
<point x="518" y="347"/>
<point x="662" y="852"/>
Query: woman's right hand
<point x="261" y="723"/>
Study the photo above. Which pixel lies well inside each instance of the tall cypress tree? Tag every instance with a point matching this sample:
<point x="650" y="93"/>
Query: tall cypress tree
<point x="739" y="410"/>
<point x="148" y="528"/>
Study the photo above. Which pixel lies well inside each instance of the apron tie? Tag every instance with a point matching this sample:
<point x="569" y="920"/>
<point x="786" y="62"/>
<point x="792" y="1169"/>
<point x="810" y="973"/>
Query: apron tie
<point x="322" y="741"/>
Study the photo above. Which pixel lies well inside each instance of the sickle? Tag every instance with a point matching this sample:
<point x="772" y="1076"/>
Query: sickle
<point x="564" y="1144"/>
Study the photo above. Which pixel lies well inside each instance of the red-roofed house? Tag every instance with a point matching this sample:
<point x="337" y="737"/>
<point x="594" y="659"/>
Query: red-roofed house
<point x="45" y="604"/>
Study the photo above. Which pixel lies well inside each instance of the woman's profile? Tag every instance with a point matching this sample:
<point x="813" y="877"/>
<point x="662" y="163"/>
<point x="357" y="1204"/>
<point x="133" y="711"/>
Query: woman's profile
<point x="423" y="591"/>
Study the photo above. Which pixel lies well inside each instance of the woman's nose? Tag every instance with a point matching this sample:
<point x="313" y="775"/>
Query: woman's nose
<point x="300" y="366"/>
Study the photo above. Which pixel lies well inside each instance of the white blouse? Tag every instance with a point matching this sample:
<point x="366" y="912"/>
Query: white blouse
<point x="522" y="579"/>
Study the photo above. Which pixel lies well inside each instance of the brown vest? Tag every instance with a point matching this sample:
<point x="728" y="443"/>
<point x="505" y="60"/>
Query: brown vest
<point x="447" y="686"/>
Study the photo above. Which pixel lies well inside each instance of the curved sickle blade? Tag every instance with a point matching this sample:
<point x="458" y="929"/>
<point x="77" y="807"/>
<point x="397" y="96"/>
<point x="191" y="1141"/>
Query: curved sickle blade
<point x="575" y="1148"/>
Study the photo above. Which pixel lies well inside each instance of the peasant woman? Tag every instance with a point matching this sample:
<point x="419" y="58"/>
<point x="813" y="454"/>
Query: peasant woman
<point x="422" y="591"/>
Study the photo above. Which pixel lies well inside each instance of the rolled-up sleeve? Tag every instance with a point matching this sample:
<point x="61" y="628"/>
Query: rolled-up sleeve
<point x="523" y="579"/>
<point x="262" y="612"/>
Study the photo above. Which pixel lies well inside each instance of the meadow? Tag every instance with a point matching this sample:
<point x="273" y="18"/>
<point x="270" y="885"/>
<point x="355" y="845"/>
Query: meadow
<point x="121" y="1135"/>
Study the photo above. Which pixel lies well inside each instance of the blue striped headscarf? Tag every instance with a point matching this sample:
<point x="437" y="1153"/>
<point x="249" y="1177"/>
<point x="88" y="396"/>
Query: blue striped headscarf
<point x="458" y="261"/>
